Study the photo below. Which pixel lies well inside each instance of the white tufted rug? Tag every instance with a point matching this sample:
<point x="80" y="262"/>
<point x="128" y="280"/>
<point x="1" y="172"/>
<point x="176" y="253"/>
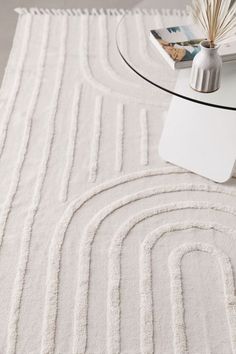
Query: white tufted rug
<point x="104" y="248"/>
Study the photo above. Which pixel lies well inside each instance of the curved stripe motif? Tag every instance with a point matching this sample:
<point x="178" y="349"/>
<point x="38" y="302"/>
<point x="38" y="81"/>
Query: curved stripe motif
<point x="88" y="74"/>
<point x="58" y="239"/>
<point x="104" y="52"/>
<point x="84" y="57"/>
<point x="80" y="326"/>
<point x="146" y="303"/>
<point x="86" y="247"/>
<point x="177" y="301"/>
<point x="143" y="47"/>
<point x="114" y="267"/>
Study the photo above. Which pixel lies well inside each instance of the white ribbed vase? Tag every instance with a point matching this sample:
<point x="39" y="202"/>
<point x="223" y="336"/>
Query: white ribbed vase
<point x="206" y="69"/>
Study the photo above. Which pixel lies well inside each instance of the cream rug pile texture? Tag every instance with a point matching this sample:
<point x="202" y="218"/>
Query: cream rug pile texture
<point x="104" y="248"/>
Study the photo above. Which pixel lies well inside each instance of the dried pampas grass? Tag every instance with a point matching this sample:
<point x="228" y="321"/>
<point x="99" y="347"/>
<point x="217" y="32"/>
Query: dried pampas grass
<point x="217" y="18"/>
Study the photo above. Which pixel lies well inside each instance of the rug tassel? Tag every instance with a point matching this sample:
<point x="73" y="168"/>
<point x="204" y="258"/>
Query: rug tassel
<point x="21" y="10"/>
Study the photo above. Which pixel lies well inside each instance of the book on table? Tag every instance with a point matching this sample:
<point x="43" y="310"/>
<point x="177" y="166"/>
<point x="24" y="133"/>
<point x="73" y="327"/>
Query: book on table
<point x="179" y="45"/>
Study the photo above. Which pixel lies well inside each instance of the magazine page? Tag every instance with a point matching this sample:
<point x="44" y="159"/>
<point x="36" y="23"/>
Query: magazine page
<point x="181" y="43"/>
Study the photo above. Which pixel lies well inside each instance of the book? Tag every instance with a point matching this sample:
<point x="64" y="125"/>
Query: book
<point x="180" y="44"/>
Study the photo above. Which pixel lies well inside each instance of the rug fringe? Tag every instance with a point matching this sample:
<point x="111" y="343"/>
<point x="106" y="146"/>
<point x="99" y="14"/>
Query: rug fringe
<point x="112" y="12"/>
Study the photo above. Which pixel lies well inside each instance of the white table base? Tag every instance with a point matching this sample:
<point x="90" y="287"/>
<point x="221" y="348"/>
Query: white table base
<point x="200" y="138"/>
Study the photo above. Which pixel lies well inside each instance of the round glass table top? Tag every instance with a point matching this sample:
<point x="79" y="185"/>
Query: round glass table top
<point x="138" y="52"/>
